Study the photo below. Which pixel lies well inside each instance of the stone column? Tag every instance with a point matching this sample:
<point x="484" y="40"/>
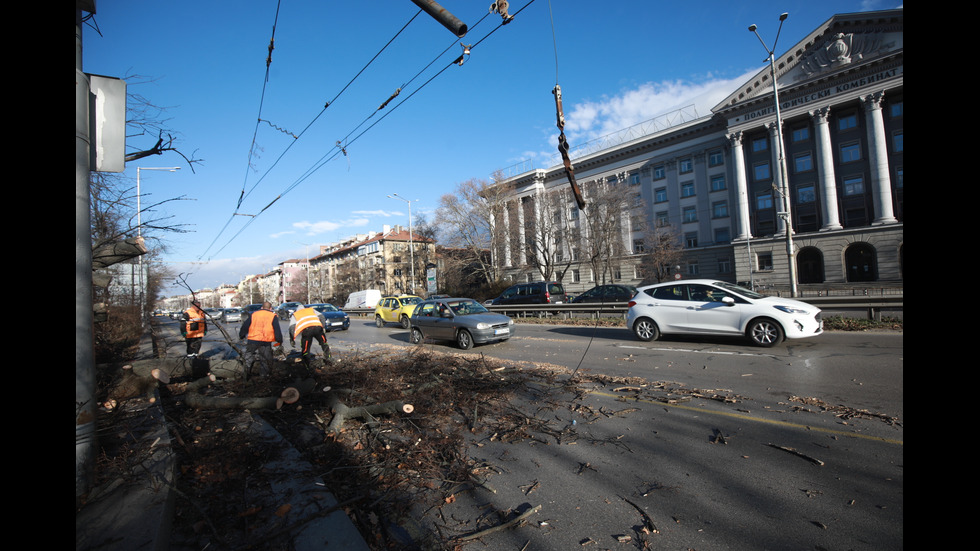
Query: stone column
<point x="825" y="168"/>
<point x="878" y="151"/>
<point x="741" y="187"/>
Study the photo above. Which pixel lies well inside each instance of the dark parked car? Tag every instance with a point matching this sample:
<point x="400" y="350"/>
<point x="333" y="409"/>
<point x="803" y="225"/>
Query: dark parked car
<point x="337" y="319"/>
<point x="247" y="311"/>
<point x="463" y="320"/>
<point x="539" y="292"/>
<point x="286" y="309"/>
<point x="607" y="293"/>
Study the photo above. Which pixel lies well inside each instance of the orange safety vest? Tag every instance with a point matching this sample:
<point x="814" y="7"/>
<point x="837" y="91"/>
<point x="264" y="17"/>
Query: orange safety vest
<point x="305" y="317"/>
<point x="260" y="328"/>
<point x="195" y="318"/>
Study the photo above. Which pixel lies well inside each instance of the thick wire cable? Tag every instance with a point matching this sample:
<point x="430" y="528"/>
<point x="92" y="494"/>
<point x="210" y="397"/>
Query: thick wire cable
<point x="338" y="151"/>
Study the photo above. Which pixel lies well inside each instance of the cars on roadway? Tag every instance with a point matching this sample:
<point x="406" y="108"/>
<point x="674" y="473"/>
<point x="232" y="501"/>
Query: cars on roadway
<point x="538" y="292"/>
<point x="395" y="309"/>
<point x="214" y="313"/>
<point x="247" y="310"/>
<point x="286" y="309"/>
<point x="709" y="307"/>
<point x="606" y="293"/>
<point x="337" y="319"/>
<point x="230" y="315"/>
<point x="462" y="320"/>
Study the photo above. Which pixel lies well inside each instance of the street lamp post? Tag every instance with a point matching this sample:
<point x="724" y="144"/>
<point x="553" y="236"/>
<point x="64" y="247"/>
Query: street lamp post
<point x="784" y="183"/>
<point x="411" y="244"/>
<point x="139" y="226"/>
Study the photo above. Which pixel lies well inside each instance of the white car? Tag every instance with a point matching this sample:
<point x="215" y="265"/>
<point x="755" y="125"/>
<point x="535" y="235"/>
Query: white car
<point x="708" y="307"/>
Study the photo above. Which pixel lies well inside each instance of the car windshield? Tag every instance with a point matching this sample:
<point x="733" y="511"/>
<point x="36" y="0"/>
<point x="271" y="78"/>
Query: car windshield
<point x="410" y="300"/>
<point x="747" y="293"/>
<point x="326" y="308"/>
<point x="465" y="307"/>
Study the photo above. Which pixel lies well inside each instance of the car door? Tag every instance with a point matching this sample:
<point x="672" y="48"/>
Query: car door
<point x="425" y="318"/>
<point x="710" y="313"/>
<point x="668" y="306"/>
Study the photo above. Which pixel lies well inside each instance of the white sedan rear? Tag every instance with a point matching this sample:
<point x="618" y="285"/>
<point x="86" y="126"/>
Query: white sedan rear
<point x="708" y="307"/>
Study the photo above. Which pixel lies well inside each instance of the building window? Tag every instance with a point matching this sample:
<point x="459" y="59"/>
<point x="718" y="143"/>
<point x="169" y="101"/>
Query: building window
<point x="763" y="201"/>
<point x="853" y="185"/>
<point x="898" y="141"/>
<point x="660" y="195"/>
<point x="724" y="265"/>
<point x="806" y="194"/>
<point x="691" y="240"/>
<point x="634" y="179"/>
<point x="850" y="152"/>
<point x="764" y="262"/>
<point x="690" y="214"/>
<point x="718" y="183"/>
<point x="761" y="172"/>
<point x="659" y="172"/>
<point x="803" y="162"/>
<point x="801" y="134"/>
<point x="760" y="144"/>
<point x="692" y="268"/>
<point x="686" y="166"/>
<point x="662" y="219"/>
<point x="897" y="110"/>
<point x="638" y="246"/>
<point x="723" y="235"/>
<point x="719" y="209"/>
<point x="576" y="276"/>
<point x="847" y="122"/>
<point x="716" y="158"/>
<point x="687" y="189"/>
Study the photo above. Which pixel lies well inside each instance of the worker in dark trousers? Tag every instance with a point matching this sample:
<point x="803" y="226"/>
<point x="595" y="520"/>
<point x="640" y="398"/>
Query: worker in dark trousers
<point x="308" y="325"/>
<point x="193" y="326"/>
<point x="261" y="329"/>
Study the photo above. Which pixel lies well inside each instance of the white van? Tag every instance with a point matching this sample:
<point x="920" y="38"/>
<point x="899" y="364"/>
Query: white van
<point x="363" y="299"/>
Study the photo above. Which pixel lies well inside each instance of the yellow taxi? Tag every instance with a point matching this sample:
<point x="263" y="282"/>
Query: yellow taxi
<point x="395" y="310"/>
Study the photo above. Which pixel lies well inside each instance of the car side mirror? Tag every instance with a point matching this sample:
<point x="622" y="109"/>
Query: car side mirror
<point x="729" y="301"/>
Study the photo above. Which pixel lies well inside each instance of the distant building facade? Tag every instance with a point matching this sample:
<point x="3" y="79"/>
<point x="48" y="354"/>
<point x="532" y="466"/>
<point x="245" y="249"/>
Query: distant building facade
<point x="716" y="182"/>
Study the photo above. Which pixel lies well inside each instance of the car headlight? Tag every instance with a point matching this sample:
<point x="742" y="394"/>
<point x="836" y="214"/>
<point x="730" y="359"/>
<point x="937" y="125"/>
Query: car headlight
<point x="483" y="326"/>
<point x="790" y="309"/>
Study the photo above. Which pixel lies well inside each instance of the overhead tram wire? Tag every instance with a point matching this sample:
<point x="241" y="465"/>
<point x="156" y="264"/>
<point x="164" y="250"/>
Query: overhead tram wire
<point x="329" y="157"/>
<point x="258" y="119"/>
<point x="243" y="194"/>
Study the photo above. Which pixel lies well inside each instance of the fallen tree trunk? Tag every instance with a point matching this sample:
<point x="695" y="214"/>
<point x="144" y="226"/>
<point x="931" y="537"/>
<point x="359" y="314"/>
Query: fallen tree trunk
<point x="341" y="412"/>
<point x="130" y="385"/>
<point x="289" y="395"/>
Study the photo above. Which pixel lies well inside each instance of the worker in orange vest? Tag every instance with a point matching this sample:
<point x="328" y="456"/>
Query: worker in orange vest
<point x="308" y="324"/>
<point x="261" y="329"/>
<point x="193" y="327"/>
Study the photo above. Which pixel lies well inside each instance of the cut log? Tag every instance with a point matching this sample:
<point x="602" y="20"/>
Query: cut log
<point x="341" y="412"/>
<point x="130" y="385"/>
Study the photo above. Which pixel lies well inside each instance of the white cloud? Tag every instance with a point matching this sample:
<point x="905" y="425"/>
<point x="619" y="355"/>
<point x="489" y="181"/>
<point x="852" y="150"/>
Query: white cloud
<point x="324" y="226"/>
<point x="593" y="119"/>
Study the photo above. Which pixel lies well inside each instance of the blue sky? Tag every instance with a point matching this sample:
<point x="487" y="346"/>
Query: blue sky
<point x="618" y="63"/>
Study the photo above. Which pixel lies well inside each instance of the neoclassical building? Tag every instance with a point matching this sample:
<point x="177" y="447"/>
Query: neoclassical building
<point x="726" y="185"/>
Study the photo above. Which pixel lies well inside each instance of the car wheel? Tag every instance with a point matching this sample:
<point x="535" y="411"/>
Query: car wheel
<point x="417" y="336"/>
<point x="646" y="329"/>
<point x="464" y="340"/>
<point x="406" y="323"/>
<point x="379" y="322"/>
<point x="765" y="332"/>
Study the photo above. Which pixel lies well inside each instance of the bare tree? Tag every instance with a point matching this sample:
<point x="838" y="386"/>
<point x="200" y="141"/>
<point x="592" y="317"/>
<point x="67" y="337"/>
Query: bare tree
<point x="467" y="222"/>
<point x="662" y="252"/>
<point x="548" y="219"/>
<point x="606" y="214"/>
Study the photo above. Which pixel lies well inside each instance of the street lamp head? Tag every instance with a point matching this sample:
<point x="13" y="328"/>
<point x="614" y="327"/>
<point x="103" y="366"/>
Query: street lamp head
<point x="752" y="28"/>
<point x="783" y="16"/>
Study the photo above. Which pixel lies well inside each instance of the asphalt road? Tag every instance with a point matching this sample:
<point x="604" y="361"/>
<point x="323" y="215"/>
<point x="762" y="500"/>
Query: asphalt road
<point x="715" y="444"/>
